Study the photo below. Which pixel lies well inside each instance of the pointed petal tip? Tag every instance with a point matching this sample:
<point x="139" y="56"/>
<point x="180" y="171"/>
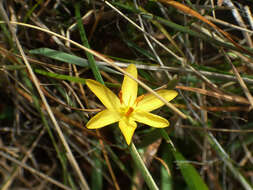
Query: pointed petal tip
<point x="151" y="119"/>
<point x="167" y="124"/>
<point x="104" y="94"/>
<point x="131" y="66"/>
<point x="128" y="137"/>
<point x="150" y="102"/>
<point x="127" y="128"/>
<point x="89" y="81"/>
<point x="128" y="141"/>
<point x="173" y="93"/>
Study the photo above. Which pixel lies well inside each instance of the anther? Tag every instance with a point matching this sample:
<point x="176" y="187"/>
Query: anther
<point x="129" y="111"/>
<point x="138" y="99"/>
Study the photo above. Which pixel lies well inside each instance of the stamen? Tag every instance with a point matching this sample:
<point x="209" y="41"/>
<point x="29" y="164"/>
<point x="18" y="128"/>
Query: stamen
<point x="138" y="99"/>
<point x="120" y="97"/>
<point x="129" y="111"/>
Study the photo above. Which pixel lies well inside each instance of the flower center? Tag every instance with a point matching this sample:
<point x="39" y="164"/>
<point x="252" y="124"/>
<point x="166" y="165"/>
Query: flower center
<point x="126" y="110"/>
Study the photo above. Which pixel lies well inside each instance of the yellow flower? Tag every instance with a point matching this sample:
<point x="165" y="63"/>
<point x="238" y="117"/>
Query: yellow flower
<point x="128" y="108"/>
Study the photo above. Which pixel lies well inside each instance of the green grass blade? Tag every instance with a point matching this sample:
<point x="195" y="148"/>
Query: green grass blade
<point x="166" y="176"/>
<point x="225" y="157"/>
<point x="84" y="39"/>
<point x="190" y="174"/>
<point x="142" y="51"/>
<point x="30" y="11"/>
<point x="96" y="176"/>
<point x="141" y="166"/>
<point x="60" y="76"/>
<point x="67" y="58"/>
<point x="92" y="63"/>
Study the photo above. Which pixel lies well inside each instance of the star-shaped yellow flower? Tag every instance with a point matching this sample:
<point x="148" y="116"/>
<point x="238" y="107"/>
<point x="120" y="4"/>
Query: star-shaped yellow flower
<point x="128" y="108"/>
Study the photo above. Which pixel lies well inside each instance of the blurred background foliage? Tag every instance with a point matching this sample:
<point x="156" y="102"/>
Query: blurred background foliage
<point x="202" y="49"/>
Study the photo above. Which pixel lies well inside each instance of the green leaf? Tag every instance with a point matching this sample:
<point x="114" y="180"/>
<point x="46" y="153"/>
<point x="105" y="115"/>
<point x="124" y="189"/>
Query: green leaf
<point x="190" y="174"/>
<point x="96" y="174"/>
<point x="60" y="76"/>
<point x="166" y="175"/>
<point x="92" y="62"/>
<point x="68" y="58"/>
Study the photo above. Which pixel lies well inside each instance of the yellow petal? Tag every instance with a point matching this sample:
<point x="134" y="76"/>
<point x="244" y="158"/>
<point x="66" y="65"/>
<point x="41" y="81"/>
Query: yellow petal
<point x="104" y="94"/>
<point x="103" y="118"/>
<point x="150" y="102"/>
<point x="150" y="119"/>
<point x="129" y="87"/>
<point x="127" y="127"/>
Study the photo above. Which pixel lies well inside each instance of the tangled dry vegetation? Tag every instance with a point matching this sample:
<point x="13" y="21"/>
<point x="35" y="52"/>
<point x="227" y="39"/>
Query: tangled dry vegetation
<point x="202" y="49"/>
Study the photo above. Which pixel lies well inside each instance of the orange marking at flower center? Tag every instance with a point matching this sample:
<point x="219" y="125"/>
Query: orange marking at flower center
<point x="120" y="97"/>
<point x="138" y="99"/>
<point x="129" y="111"/>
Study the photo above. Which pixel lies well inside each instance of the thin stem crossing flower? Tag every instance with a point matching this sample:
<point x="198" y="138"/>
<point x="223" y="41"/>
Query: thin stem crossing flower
<point x="127" y="109"/>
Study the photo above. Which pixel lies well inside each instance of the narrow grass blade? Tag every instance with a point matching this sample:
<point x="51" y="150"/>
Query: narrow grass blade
<point x="96" y="177"/>
<point x="60" y="76"/>
<point x="84" y="39"/>
<point x="67" y="58"/>
<point x="141" y="166"/>
<point x="190" y="174"/>
<point x="166" y="176"/>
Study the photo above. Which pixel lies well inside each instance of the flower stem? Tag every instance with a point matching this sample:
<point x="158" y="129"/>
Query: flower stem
<point x="143" y="169"/>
